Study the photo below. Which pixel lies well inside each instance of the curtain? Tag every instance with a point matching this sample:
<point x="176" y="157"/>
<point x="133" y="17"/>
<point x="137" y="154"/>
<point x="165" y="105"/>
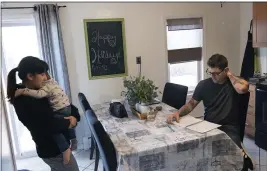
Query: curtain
<point x="51" y="43"/>
<point x="185" y="54"/>
<point x="184" y="24"/>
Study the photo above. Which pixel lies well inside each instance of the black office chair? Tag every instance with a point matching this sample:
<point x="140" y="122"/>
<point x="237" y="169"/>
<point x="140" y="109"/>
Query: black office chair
<point x="104" y="146"/>
<point x="86" y="106"/>
<point x="243" y="108"/>
<point x="174" y="95"/>
<point x="83" y="101"/>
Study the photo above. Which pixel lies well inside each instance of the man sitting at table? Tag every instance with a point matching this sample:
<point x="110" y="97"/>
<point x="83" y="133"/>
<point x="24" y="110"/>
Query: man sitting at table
<point x="220" y="98"/>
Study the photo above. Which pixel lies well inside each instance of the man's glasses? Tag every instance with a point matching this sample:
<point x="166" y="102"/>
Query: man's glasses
<point x="213" y="73"/>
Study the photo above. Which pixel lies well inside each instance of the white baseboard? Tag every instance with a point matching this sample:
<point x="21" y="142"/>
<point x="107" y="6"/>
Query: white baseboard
<point x="80" y="146"/>
<point x="86" y="143"/>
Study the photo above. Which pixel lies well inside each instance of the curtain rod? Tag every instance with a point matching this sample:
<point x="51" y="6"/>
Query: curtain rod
<point x="28" y="7"/>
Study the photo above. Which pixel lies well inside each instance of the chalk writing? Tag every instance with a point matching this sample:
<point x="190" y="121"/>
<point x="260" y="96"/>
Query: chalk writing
<point x="111" y="40"/>
<point x="99" y="67"/>
<point x="104" y="54"/>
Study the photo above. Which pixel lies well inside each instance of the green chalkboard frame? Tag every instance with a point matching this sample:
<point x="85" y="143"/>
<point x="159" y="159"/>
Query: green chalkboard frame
<point x="85" y="21"/>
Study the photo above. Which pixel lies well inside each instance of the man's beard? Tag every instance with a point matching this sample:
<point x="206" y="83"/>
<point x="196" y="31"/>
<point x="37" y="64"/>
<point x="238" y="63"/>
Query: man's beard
<point x="218" y="81"/>
<point x="214" y="81"/>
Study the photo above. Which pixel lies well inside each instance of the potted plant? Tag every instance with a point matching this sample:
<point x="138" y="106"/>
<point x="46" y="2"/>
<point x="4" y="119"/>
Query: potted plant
<point x="140" y="92"/>
<point x="130" y="93"/>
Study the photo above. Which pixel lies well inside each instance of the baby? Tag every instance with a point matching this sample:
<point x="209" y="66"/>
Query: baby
<point x="61" y="106"/>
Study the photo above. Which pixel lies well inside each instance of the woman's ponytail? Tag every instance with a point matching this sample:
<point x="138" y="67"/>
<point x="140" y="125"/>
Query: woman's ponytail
<point x="11" y="85"/>
<point x="28" y="65"/>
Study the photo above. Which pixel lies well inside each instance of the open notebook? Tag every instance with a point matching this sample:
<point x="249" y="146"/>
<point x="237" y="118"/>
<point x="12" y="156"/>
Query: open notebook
<point x="195" y="124"/>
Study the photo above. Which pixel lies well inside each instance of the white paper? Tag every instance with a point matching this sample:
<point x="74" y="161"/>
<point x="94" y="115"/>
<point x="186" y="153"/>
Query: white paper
<point x="187" y="120"/>
<point x="203" y="127"/>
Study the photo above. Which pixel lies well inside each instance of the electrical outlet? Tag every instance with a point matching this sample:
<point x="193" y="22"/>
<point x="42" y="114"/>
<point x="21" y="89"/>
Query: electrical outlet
<point x="138" y="60"/>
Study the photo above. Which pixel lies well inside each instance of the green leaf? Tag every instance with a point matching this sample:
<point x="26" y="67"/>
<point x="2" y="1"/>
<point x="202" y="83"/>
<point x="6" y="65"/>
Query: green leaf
<point x="139" y="89"/>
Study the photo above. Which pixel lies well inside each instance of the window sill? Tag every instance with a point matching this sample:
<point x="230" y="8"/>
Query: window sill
<point x="191" y="92"/>
<point x="189" y="95"/>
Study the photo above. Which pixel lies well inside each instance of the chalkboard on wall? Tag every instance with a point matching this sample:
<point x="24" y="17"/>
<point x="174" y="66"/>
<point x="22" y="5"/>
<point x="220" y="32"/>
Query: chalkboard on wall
<point x="105" y="47"/>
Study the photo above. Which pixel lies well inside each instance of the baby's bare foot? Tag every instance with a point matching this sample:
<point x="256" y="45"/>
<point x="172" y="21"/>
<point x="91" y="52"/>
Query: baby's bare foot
<point x="66" y="156"/>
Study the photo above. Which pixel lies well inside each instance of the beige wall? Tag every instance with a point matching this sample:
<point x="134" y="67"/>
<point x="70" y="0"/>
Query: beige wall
<point x="245" y="18"/>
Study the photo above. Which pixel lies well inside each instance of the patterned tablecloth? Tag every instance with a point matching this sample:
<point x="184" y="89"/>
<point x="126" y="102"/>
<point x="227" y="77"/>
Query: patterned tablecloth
<point x="156" y="146"/>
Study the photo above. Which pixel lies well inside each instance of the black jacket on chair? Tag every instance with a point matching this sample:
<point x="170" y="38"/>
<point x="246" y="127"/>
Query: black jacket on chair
<point x="247" y="69"/>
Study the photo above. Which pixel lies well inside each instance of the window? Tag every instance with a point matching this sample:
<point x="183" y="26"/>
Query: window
<point x="185" y="73"/>
<point x="18" y="42"/>
<point x="19" y="39"/>
<point x="184" y="43"/>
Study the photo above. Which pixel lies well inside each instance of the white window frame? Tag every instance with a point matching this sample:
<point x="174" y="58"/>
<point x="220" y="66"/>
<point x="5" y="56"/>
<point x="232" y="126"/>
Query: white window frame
<point x="201" y="63"/>
<point x="26" y="19"/>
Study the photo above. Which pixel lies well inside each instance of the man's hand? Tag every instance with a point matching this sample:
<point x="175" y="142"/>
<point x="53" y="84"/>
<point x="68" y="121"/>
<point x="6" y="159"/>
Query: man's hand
<point x="227" y="71"/>
<point x="73" y="121"/>
<point x="19" y="92"/>
<point x="171" y="117"/>
<point x="184" y="110"/>
<point x="241" y="86"/>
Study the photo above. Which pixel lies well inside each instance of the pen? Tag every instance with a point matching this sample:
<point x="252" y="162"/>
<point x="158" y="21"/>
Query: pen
<point x="171" y="128"/>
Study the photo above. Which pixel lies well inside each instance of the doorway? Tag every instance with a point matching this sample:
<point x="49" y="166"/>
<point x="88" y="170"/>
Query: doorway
<point x="19" y="39"/>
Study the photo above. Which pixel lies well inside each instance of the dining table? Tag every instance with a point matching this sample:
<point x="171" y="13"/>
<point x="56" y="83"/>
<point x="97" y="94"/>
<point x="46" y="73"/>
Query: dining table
<point x="144" y="145"/>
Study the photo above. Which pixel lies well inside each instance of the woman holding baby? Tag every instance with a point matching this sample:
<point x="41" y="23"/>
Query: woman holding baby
<point x="42" y="106"/>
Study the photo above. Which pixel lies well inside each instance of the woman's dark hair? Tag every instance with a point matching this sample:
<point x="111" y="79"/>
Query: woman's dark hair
<point x="46" y="69"/>
<point x="218" y="61"/>
<point x="28" y="65"/>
